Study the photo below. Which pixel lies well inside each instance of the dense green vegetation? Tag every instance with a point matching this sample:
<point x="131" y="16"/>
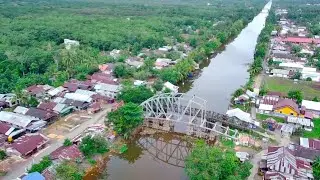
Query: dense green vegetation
<point x="316" y="168"/>
<point x="68" y="170"/>
<point x="94" y="145"/>
<point x="32" y="33"/>
<point x="41" y="166"/>
<point x="261" y="48"/>
<point x="67" y="142"/>
<point x="126" y="118"/>
<point x="206" y="162"/>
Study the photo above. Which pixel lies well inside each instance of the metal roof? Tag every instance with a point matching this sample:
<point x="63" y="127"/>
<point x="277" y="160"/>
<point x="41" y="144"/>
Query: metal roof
<point x="78" y="97"/>
<point x="85" y="92"/>
<point x="21" y="110"/>
<point x="107" y="87"/>
<point x="16" y="119"/>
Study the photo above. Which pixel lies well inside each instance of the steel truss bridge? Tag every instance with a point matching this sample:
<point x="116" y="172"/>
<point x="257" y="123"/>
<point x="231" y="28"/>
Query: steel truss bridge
<point x="165" y="110"/>
<point x="172" y="151"/>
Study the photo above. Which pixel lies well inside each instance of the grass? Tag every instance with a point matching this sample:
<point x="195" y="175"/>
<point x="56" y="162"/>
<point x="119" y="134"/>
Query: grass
<point x="245" y="108"/>
<point x="315" y="133"/>
<point x="264" y="117"/>
<point x="308" y="88"/>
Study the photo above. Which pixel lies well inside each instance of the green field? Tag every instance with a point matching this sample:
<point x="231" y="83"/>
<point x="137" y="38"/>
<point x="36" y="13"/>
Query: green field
<point x="264" y="117"/>
<point x="315" y="133"/>
<point x="309" y="89"/>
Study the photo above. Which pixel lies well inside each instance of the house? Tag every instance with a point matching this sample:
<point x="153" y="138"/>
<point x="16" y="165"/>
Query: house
<point x="77" y="105"/>
<point x="56" y="91"/>
<point x="306" y="51"/>
<point x="287" y="107"/>
<point x="41" y="114"/>
<point x="109" y="90"/>
<point x="85" y="92"/>
<point x="21" y="110"/>
<point x="70" y="43"/>
<point x="162" y="63"/>
<point x="241" y="115"/>
<point x="35" y="126"/>
<point x="28" y="144"/>
<point x="107" y="68"/>
<point x="267" y="102"/>
<point x="4" y="128"/>
<point x="291" y="66"/>
<point x="312" y="73"/>
<point x="284" y="57"/>
<point x="15" y="119"/>
<point x="280" y="73"/>
<point x="100" y="77"/>
<point x="299" y="40"/>
<point x="47" y="106"/>
<point x="78" y="97"/>
<point x="134" y="62"/>
<point x="300" y="121"/>
<point x="74" y="84"/>
<point x="282" y="160"/>
<point x="311" y="106"/>
<point x="242" y="99"/>
<point x="310" y="143"/>
<point x="170" y="86"/>
<point x="66" y="153"/>
<point x="94" y="108"/>
<point x="9" y="99"/>
<point x="38" y="91"/>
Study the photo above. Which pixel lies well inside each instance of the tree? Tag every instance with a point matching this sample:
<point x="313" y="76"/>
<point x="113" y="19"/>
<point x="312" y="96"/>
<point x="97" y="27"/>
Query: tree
<point x="316" y="168"/>
<point x="297" y="75"/>
<point x="296" y="94"/>
<point x="170" y="74"/>
<point x="126" y="119"/>
<point x="3" y="155"/>
<point x="135" y="94"/>
<point x="41" y="166"/>
<point x="308" y="79"/>
<point x="94" y="145"/>
<point x="315" y="99"/>
<point x="206" y="162"/>
<point x="68" y="171"/>
<point x="158" y="85"/>
<point x="32" y="101"/>
<point x="121" y="70"/>
<point x="67" y="142"/>
<point x="296" y="49"/>
<point x="238" y="92"/>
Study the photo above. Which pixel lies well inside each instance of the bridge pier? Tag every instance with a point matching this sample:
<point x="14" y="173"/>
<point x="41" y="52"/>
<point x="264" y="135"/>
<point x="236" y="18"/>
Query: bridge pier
<point x="160" y="124"/>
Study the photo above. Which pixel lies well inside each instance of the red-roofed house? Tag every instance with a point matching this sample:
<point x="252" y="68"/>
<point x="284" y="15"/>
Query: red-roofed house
<point x="310" y="143"/>
<point x="299" y="40"/>
<point x="28" y="144"/>
<point x="95" y="107"/>
<point x="47" y="106"/>
<point x="4" y="127"/>
<point x="66" y="153"/>
<point x="287" y="107"/>
<point x="284" y="161"/>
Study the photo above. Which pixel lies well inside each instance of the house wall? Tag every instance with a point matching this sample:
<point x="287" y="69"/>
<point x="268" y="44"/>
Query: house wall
<point x="287" y="111"/>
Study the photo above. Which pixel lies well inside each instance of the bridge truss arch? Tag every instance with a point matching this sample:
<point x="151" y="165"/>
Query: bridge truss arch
<point x="167" y="109"/>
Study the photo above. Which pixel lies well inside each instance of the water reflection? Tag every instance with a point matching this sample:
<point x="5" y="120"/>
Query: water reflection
<point x="154" y="157"/>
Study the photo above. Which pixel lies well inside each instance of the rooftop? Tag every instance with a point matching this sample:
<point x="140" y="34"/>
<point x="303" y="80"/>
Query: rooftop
<point x="28" y="143"/>
<point x="311" y="105"/>
<point x="287" y="102"/>
<point x="66" y="153"/>
<point x="16" y="119"/>
<point x="41" y="114"/>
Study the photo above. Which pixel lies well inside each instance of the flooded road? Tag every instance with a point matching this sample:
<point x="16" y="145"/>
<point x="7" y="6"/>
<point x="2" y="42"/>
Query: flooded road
<point x="227" y="71"/>
<point x="162" y="157"/>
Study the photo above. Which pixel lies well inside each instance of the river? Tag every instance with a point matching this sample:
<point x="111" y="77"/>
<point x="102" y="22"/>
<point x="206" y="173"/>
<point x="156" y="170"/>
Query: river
<point x="161" y="157"/>
<point x="227" y="71"/>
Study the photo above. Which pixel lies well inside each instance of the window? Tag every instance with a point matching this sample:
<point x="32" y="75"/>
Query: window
<point x="280" y="111"/>
<point x="291" y="114"/>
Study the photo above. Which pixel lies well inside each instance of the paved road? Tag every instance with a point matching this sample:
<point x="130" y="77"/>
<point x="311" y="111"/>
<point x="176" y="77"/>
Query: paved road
<point x="21" y="168"/>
